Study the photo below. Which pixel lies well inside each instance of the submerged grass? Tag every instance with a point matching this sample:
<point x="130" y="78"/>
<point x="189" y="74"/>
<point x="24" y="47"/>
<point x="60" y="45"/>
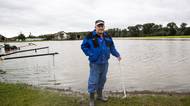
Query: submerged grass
<point x="25" y="95"/>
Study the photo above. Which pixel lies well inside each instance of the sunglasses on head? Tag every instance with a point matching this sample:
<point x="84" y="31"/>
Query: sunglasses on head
<point x="100" y="25"/>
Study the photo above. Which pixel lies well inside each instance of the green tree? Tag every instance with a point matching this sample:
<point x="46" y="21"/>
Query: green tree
<point x="133" y="31"/>
<point x="123" y="32"/>
<point x="139" y="28"/>
<point x="148" y="28"/>
<point x="172" y="28"/>
<point x="2" y="38"/>
<point x="182" y="28"/>
<point x="187" y="31"/>
<point x="157" y="30"/>
<point x="21" y="37"/>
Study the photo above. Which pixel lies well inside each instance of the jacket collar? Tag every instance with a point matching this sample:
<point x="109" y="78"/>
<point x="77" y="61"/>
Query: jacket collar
<point x="95" y="34"/>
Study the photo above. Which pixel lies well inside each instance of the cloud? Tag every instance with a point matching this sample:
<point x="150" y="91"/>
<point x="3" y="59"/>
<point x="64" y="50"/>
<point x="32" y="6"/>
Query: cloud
<point x="42" y="16"/>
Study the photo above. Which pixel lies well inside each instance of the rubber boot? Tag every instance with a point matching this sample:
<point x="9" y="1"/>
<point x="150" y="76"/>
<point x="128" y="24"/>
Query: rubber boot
<point x="101" y="97"/>
<point x="91" y="102"/>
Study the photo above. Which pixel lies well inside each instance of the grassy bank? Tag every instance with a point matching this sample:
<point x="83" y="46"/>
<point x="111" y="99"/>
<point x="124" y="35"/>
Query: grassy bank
<point x="25" y="95"/>
<point x="155" y="37"/>
<point x="178" y="36"/>
<point x="145" y="37"/>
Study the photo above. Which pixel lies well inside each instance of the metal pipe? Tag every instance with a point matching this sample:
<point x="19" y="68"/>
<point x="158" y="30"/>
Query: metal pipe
<point x="23" y="51"/>
<point x="9" y="58"/>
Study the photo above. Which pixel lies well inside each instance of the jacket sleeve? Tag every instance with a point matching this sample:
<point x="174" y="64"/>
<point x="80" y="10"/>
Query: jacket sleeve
<point x="113" y="51"/>
<point x="85" y="46"/>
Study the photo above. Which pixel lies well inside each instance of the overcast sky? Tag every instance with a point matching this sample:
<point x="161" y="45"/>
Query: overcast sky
<point x="51" y="16"/>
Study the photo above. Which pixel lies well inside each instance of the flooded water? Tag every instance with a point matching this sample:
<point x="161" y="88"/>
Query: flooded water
<point x="157" y="65"/>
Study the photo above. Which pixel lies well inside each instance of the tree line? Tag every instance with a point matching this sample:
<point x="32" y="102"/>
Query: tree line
<point x="139" y="30"/>
<point x="147" y="29"/>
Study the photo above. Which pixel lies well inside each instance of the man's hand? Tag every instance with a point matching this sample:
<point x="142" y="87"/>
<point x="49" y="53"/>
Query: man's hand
<point x="119" y="58"/>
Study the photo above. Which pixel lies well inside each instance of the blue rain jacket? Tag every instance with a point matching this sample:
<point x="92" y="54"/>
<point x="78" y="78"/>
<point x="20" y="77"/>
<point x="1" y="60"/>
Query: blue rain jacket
<point x="98" y="54"/>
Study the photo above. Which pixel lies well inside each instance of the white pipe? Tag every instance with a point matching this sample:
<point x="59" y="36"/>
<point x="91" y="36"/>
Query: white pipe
<point x="122" y="80"/>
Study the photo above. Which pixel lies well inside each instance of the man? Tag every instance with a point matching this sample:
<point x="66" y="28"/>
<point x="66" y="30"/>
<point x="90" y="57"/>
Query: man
<point x="98" y="45"/>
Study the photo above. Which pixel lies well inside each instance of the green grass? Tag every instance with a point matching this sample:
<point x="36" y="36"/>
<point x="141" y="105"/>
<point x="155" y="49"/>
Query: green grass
<point x="25" y="95"/>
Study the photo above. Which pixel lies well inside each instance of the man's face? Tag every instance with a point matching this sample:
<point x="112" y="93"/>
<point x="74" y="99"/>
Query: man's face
<point x="100" y="28"/>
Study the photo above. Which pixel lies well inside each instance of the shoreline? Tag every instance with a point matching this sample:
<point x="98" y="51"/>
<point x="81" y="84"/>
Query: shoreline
<point x="27" y="95"/>
<point x="69" y="91"/>
<point x="120" y="93"/>
<point x="153" y="38"/>
<point x="177" y="37"/>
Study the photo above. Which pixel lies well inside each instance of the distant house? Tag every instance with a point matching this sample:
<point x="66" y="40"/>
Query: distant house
<point x="56" y="36"/>
<point x="60" y="36"/>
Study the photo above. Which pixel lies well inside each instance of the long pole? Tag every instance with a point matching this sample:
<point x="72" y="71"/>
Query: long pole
<point x="35" y="49"/>
<point x="9" y="58"/>
<point x="122" y="79"/>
